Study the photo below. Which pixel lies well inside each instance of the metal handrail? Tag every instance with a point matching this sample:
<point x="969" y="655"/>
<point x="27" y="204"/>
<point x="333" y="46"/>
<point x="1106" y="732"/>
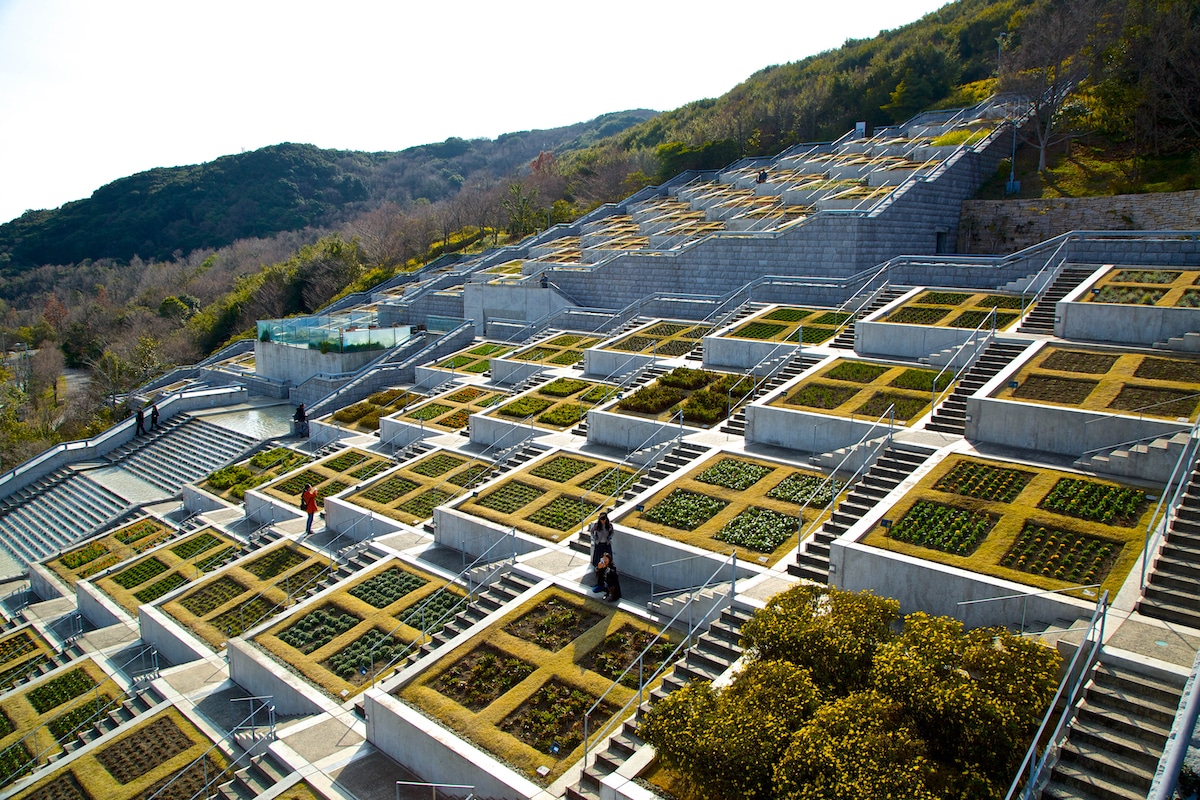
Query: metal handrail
<point x="1024" y="597"/>
<point x="643" y="682"/>
<point x="203" y="760"/>
<point x="1147" y="438"/>
<point x="616" y="471"/>
<point x="1035" y="765"/>
<point x="470" y="787"/>
<point x="1140" y="409"/>
<point x="956" y="377"/>
<point x="1153" y="530"/>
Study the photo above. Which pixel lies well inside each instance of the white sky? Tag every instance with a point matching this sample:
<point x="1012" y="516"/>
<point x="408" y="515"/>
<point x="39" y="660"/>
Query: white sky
<point x="94" y="91"/>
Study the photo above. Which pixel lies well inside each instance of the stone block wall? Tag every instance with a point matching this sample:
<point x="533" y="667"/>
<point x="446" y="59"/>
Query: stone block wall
<point x="1005" y="226"/>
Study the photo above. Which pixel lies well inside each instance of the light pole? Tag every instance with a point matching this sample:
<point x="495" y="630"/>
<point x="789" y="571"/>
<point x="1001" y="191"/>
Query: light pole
<point x="999" y="46"/>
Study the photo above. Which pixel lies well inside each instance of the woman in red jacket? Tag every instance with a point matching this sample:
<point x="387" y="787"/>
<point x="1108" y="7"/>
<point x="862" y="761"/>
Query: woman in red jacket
<point x="308" y="502"/>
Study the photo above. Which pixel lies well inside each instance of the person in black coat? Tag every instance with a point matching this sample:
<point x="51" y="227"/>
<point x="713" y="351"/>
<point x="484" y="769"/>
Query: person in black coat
<point x="141" y="422"/>
<point x="612" y="582"/>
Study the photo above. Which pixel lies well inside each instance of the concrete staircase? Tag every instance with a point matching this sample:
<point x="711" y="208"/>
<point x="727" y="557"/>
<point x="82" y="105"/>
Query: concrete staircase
<point x="128" y="709"/>
<point x="1188" y="343"/>
<point x="53" y="513"/>
<point x="893" y="465"/>
<point x="1147" y="457"/>
<point x="183" y="451"/>
<point x="499" y="593"/>
<point x="845" y="339"/>
<point x="1172" y="592"/>
<point x="795" y="365"/>
<point x="257" y="777"/>
<point x="1040" y="319"/>
<point x="713" y="654"/>
<point x="951" y="414"/>
<point x="1116" y="739"/>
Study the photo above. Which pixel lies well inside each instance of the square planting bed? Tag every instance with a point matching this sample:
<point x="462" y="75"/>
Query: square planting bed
<point x="553" y="498"/>
<point x="736" y="502"/>
<point x="23" y="654"/>
<point x="1109" y="381"/>
<point x="559" y="404"/>
<point x="705" y="398"/>
<point x="1032" y="525"/>
<point x="520" y="690"/>
<point x="230" y="483"/>
<point x="328" y="476"/>
<point x="791" y="324"/>
<point x="165" y="749"/>
<point x="451" y="411"/>
<point x="107" y="551"/>
<point x="1147" y="287"/>
<point x="364" y="416"/>
<point x="863" y="389"/>
<point x="169" y="567"/>
<point x="664" y="339"/>
<point x="249" y="593"/>
<point x="365" y="630"/>
<point x="475" y="359"/>
<point x="947" y="309"/>
<point x="560" y="351"/>
<point x="410" y="493"/>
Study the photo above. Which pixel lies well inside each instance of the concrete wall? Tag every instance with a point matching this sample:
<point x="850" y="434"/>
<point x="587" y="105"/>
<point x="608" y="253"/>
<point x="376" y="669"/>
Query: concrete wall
<point x="608" y="364"/>
<point x="357" y="523"/>
<point x="435" y="754"/>
<point x="806" y="431"/>
<point x="97" y="608"/>
<point x="681" y="566"/>
<point x="740" y="355"/>
<point x="502" y="432"/>
<point x="1109" y="322"/>
<point x="896" y="340"/>
<point x="176" y="645"/>
<point x="262" y="677"/>
<point x="297" y="364"/>
<point x="507" y="372"/>
<point x="610" y="429"/>
<point x="474" y="536"/>
<point x="526" y="300"/>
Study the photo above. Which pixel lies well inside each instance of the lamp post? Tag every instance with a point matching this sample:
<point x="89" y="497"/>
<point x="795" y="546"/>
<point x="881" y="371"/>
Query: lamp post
<point x="999" y="46"/>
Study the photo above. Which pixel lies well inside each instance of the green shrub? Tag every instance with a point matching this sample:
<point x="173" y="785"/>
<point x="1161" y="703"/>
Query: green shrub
<point x="651" y="399"/>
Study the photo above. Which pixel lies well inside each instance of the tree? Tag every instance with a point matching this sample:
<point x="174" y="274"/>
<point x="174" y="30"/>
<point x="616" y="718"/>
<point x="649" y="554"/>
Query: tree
<point x="520" y="207"/>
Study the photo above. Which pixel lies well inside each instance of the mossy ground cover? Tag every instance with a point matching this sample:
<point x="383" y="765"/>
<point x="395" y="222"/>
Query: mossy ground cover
<point x="736" y="502"/>
<point x="789" y="324"/>
<point x="559" y="404"/>
<point x="328" y="476"/>
<point x="553" y="498"/>
<point x="865" y="389"/>
<point x="1111" y="381"/>
<point x="1036" y="526"/>
<point x="451" y="411"/>
<point x="560" y="351"/>
<point x="364" y="416"/>
<point x="664" y="338"/>
<point x="64" y="696"/>
<point x="704" y="397"/>
<point x="21" y="653"/>
<point x="168" y="567"/>
<point x="958" y="309"/>
<point x="1146" y="287"/>
<point x="230" y="483"/>
<point x="562" y="653"/>
<point x="139" y="763"/>
<point x="406" y="494"/>
<point x="476" y="359"/>
<point x="353" y="635"/>
<point x="246" y="594"/>
<point x="109" y="550"/>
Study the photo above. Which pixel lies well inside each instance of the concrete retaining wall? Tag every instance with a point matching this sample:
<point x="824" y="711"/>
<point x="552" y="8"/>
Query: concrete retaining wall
<point x="97" y="608"/>
<point x="295" y="365"/>
<point x="172" y="641"/>
<point x="1109" y="322"/>
<point x="608" y="364"/>
<point x="607" y="428"/>
<point x="806" y="431"/>
<point x="262" y="677"/>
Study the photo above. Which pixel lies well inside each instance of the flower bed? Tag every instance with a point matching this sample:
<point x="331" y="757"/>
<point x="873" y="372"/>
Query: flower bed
<point x="558" y="404"/>
<point x="958" y="309"/>
<point x="995" y="519"/>
<point x="97" y="555"/>
<point x="1155" y="287"/>
<point x="748" y="503"/>
<point x="703" y="397"/>
<point x="1155" y="386"/>
<point x="411" y="493"/>
<point x="524" y="407"/>
<point x="559" y="354"/>
<point x="561" y="469"/>
<point x="232" y="482"/>
<point x="785" y="323"/>
<point x="318" y="628"/>
<point x="521" y="688"/>
<point x="662" y="338"/>
<point x="510" y="496"/>
<point x="365" y="416"/>
<point x="387" y="587"/>
<point x="428" y="411"/>
<point x="563" y="513"/>
<point x="858" y="388"/>
<point x="476" y="359"/>
<point x="328" y="476"/>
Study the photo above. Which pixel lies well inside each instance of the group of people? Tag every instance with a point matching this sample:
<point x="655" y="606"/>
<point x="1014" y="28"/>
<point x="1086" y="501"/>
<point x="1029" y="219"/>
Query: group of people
<point x="607" y="579"/>
<point x="141" y="419"/>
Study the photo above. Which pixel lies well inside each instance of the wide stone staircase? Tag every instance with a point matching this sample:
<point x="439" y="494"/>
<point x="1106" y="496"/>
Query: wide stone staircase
<point x="1117" y="736"/>
<point x="894" y="464"/>
<point x="182" y="451"/>
<point x="845" y="338"/>
<point x="505" y="588"/>
<point x="54" y="512"/>
<point x="1041" y="319"/>
<point x="1172" y="592"/>
<point x="713" y="654"/>
<point x="951" y="414"/>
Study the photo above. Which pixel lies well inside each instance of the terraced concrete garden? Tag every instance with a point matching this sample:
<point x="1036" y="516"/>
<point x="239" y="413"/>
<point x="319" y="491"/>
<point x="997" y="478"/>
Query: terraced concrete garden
<point x="148" y="578"/>
<point x="410" y="493"/>
<point x="1111" y="381"/>
<point x="365" y="630"/>
<point x="1033" y="525"/>
<point x="558" y="404"/>
<point x="553" y="498"/>
<point x="452" y="411"/>
<point x="230" y="483"/>
<point x="560" y="351"/>
<point x="520" y="689"/>
<point x="329" y="475"/>
<point x="365" y="416"/>
<point x="664" y="339"/>
<point x="792" y="324"/>
<point x="945" y="309"/>
<point x="101" y="553"/>
<point x="737" y="502"/>
<point x="22" y="654"/>
<point x="1148" y="287"/>
<point x="247" y="594"/>
<point x="476" y="359"/>
<point x="850" y="388"/>
<point x="35" y="722"/>
<point x="139" y="763"/>
<point x="705" y="398"/>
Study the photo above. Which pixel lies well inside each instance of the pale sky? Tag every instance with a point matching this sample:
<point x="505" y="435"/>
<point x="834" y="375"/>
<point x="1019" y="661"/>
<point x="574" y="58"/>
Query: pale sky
<point x="94" y="91"/>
